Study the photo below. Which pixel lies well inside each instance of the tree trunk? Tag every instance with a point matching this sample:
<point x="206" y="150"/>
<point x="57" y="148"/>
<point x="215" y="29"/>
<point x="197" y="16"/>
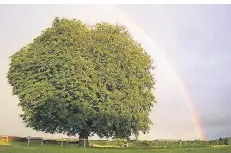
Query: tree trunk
<point x="83" y="138"/>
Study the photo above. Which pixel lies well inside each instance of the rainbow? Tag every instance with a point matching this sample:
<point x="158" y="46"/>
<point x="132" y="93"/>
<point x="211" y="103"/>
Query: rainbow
<point x="186" y="96"/>
<point x="192" y="110"/>
<point x="188" y="101"/>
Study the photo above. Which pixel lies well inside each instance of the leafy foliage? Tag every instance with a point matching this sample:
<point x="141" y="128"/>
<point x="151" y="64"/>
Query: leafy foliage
<point x="74" y="79"/>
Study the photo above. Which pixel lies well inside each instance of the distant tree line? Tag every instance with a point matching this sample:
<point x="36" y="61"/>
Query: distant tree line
<point x="139" y="143"/>
<point x="169" y="143"/>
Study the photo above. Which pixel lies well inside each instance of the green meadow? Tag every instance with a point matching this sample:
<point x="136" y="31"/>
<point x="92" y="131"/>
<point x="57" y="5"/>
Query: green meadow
<point x="56" y="149"/>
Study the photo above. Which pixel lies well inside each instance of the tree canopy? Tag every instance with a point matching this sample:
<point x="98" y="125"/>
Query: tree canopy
<point x="80" y="79"/>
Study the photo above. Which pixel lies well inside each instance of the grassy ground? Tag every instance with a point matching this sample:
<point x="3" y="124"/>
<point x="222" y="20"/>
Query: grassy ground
<point x="52" y="149"/>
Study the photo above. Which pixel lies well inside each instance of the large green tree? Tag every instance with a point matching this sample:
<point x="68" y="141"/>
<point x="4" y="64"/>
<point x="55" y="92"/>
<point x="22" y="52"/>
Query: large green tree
<point x="82" y="80"/>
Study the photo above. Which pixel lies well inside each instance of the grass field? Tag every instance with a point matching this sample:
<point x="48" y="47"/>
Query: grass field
<point x="52" y="149"/>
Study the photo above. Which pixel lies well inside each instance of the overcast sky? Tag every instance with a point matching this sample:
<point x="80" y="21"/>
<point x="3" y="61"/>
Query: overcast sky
<point x="188" y="43"/>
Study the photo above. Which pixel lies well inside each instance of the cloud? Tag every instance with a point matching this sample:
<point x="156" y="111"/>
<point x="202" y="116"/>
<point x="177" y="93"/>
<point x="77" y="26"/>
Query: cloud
<point x="216" y="122"/>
